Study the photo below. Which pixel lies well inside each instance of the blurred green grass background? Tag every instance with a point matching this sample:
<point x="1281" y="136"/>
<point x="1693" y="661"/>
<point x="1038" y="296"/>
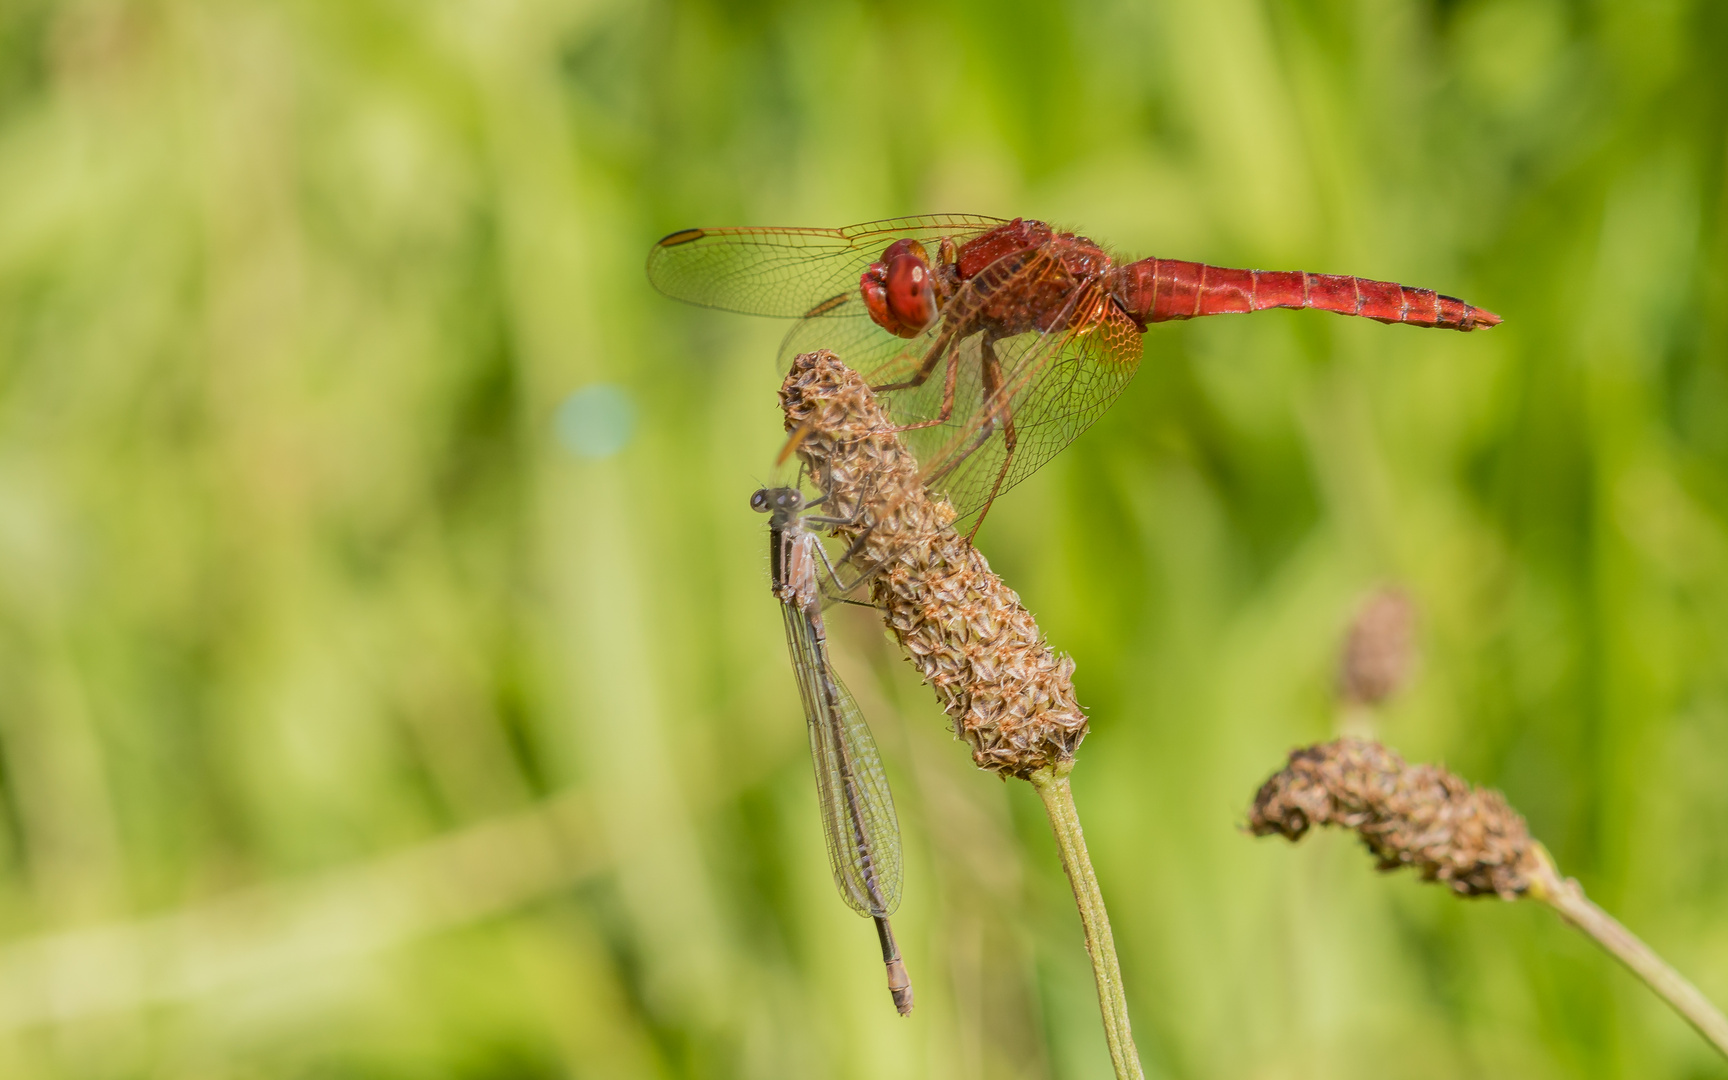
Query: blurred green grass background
<point x="362" y="715"/>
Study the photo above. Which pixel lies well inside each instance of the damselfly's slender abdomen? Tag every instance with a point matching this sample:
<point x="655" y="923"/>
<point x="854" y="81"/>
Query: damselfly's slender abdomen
<point x="1158" y="290"/>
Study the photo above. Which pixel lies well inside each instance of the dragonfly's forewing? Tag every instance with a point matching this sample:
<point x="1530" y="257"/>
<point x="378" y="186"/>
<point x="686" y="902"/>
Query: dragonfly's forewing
<point x="787" y="272"/>
<point x="858" y="818"/>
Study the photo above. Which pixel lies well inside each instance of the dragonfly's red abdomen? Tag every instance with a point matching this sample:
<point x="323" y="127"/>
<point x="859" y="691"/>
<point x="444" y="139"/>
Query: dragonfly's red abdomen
<point x="1158" y="290"/>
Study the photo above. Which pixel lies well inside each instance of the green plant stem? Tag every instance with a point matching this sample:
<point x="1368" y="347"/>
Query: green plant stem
<point x="1567" y="897"/>
<point x="1052" y="786"/>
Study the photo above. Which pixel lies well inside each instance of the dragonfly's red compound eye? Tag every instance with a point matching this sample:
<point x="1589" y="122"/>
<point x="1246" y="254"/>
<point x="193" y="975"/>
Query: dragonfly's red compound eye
<point x="911" y="293"/>
<point x="898" y="290"/>
<point x="904" y="247"/>
<point x="873" y="283"/>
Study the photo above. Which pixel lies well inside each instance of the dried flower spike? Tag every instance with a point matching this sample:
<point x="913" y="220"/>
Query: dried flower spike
<point x="1011" y="697"/>
<point x="1467" y="837"/>
<point x="1379" y="650"/>
<point x="1009" y="694"/>
<point x="1420" y="816"/>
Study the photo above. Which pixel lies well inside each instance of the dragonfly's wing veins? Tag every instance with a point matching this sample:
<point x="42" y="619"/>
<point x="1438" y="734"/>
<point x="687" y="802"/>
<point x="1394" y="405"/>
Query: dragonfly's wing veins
<point x="858" y="818"/>
<point x="787" y="272"/>
<point x="848" y="332"/>
<point x="1054" y="386"/>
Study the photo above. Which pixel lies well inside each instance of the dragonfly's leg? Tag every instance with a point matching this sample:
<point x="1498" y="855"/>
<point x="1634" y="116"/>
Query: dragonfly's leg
<point x="945" y="345"/>
<point x="991" y="370"/>
<point x="946" y="411"/>
<point x="926" y="366"/>
<point x="1002" y="413"/>
<point x="996" y="412"/>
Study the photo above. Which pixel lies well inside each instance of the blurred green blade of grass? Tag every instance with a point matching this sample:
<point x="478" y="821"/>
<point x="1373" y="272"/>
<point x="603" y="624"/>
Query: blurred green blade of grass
<point x="282" y="932"/>
<point x="302" y="580"/>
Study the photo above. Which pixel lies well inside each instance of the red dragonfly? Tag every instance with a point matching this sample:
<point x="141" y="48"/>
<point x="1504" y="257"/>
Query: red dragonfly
<point x="1008" y="343"/>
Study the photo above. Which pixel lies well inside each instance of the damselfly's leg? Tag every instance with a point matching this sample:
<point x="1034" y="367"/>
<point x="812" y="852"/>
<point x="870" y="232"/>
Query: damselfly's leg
<point x="837" y="589"/>
<point x="826" y="485"/>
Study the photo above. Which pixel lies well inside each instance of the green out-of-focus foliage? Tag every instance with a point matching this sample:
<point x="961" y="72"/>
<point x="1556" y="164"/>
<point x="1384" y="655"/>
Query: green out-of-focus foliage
<point x="389" y="683"/>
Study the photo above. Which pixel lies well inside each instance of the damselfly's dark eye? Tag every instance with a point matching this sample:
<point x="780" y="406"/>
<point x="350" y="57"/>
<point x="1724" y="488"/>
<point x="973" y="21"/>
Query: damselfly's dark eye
<point x="759" y="501"/>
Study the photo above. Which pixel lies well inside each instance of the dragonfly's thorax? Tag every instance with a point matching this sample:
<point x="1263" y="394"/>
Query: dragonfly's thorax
<point x="1018" y="235"/>
<point x="905" y="291"/>
<point x="1053" y="289"/>
<point x="1050" y="287"/>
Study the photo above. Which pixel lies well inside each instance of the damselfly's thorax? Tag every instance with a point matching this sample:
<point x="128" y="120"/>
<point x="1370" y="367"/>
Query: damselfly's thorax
<point x="791" y="558"/>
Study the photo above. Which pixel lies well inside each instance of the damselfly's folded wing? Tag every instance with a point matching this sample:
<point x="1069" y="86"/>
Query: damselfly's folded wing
<point x="857" y="808"/>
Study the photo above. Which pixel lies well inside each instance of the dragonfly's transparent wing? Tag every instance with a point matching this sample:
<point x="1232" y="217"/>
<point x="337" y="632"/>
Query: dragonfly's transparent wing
<point x="857" y="808"/>
<point x="846" y="330"/>
<point x="1012" y="408"/>
<point x="787" y="272"/>
<point x="1046" y="389"/>
<point x="1006" y="418"/>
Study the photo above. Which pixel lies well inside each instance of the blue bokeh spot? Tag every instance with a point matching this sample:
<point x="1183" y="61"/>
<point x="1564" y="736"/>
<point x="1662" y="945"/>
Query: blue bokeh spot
<point x="596" y="421"/>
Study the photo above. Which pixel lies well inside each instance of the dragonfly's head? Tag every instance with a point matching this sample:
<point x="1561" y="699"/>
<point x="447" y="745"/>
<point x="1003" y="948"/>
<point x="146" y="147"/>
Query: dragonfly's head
<point x="900" y="289"/>
<point x="782" y="500"/>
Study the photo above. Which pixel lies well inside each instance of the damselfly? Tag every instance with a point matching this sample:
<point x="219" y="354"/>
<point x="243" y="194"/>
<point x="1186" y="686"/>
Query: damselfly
<point x="857" y="808"/>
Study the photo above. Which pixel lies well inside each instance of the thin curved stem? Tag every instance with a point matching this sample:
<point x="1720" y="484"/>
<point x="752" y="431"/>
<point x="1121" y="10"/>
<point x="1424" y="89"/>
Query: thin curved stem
<point x="1567" y="897"/>
<point x="1052" y="786"/>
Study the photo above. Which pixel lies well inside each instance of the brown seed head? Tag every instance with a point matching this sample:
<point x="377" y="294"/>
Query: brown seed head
<point x="1408" y="815"/>
<point x="1010" y="696"/>
<point x="1379" y="649"/>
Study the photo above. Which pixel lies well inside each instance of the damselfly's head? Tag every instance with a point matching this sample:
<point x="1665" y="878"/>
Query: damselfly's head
<point x="780" y="500"/>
